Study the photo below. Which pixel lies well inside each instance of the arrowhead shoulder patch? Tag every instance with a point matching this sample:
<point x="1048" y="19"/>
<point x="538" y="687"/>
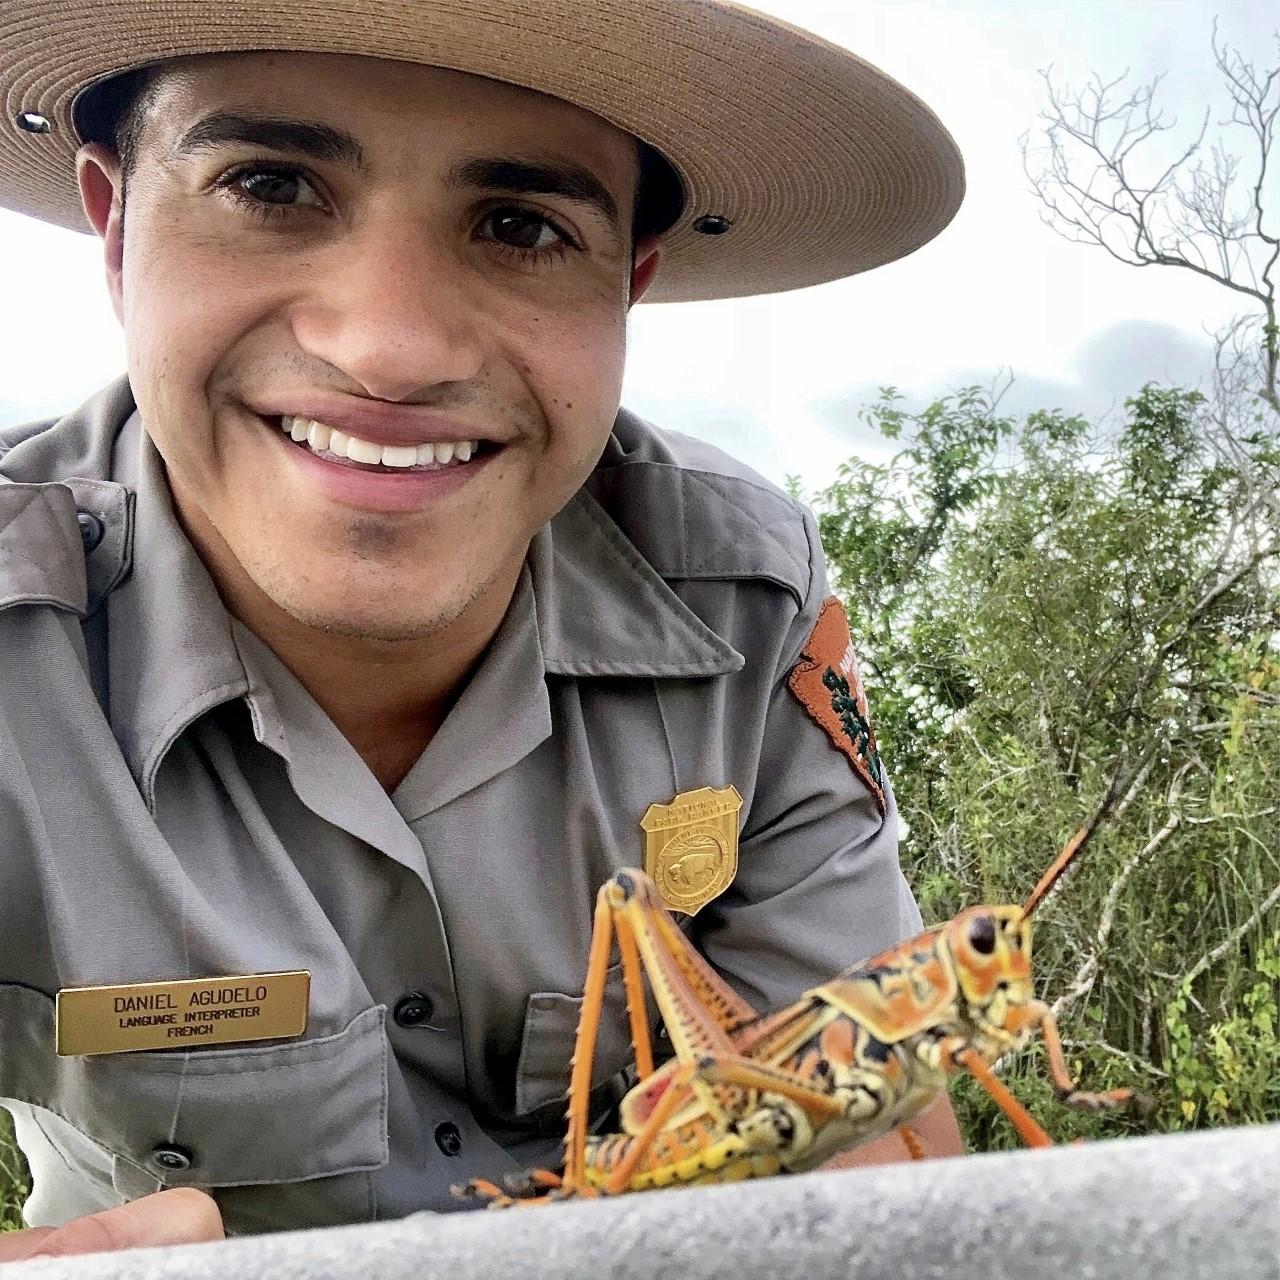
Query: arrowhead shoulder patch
<point x="829" y="685"/>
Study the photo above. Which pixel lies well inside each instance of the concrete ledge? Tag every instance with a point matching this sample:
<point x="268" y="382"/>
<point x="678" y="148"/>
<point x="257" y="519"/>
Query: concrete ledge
<point x="1167" y="1208"/>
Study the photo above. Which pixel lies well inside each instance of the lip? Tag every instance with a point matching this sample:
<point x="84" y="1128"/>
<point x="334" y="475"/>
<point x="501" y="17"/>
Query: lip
<point x="384" y="424"/>
<point x="373" y="489"/>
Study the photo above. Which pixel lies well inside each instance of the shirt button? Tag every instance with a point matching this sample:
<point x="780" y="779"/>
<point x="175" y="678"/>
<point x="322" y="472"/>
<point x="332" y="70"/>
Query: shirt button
<point x="414" y="1010"/>
<point x="449" y="1138"/>
<point x="172" y="1159"/>
<point x="92" y="530"/>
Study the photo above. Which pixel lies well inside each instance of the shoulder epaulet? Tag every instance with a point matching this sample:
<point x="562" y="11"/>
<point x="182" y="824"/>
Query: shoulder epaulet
<point x="699" y="525"/>
<point x="695" y="513"/>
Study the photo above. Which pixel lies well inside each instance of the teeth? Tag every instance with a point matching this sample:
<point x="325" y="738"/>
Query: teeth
<point x="323" y="439"/>
<point x="406" y="456"/>
<point x="360" y="450"/>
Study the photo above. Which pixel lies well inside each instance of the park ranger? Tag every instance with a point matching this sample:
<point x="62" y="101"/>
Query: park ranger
<point x="352" y="641"/>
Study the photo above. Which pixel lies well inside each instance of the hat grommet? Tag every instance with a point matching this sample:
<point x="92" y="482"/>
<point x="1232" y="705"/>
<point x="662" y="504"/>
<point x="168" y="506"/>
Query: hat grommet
<point x="33" y="122"/>
<point x="712" y="224"/>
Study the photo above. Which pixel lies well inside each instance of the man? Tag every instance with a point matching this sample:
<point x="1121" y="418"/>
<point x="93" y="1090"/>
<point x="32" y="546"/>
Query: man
<point x="348" y="644"/>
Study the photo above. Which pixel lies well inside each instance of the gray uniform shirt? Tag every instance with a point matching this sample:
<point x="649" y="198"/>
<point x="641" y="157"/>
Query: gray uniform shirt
<point x="173" y="803"/>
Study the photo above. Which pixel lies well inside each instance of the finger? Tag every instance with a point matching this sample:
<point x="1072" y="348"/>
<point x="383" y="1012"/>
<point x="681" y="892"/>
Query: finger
<point x="183" y="1215"/>
<point x="16" y="1245"/>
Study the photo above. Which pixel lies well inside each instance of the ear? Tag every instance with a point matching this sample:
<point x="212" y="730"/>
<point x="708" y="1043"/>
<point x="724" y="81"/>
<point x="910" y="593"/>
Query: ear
<point x="102" y="194"/>
<point x="646" y="260"/>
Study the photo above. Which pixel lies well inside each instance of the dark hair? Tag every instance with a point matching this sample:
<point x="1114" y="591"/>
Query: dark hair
<point x="659" y="194"/>
<point x="113" y="113"/>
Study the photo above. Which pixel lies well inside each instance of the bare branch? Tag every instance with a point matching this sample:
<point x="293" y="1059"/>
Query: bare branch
<point x="1082" y="983"/>
<point x="1135" y="1062"/>
<point x="1233" y="939"/>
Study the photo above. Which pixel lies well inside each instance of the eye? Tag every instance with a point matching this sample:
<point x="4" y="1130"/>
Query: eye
<point x="982" y="935"/>
<point x="271" y="187"/>
<point x="522" y="229"/>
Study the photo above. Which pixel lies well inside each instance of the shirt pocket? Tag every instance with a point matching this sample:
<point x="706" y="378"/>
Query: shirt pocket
<point x="309" y="1111"/>
<point x="546" y="1046"/>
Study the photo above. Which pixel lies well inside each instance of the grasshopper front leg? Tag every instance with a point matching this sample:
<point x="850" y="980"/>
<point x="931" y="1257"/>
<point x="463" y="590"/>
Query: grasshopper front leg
<point x="1068" y="1094"/>
<point x="1036" y="1015"/>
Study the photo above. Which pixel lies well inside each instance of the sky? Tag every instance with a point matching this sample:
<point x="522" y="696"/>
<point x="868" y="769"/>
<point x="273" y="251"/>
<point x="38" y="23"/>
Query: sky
<point x="779" y="381"/>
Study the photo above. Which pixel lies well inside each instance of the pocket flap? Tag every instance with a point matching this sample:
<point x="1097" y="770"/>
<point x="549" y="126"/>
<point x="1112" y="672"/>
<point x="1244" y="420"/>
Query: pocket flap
<point x="269" y="1113"/>
<point x="546" y="1046"/>
<point x="257" y="1114"/>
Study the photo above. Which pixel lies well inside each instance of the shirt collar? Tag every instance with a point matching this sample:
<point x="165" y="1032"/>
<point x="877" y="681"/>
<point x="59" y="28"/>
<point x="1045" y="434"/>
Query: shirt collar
<point x="603" y="610"/>
<point x="172" y="656"/>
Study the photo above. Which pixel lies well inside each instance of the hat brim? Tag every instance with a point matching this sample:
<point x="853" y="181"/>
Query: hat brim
<point x="821" y="165"/>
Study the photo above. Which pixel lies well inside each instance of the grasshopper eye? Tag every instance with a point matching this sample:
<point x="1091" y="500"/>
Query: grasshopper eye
<point x="982" y="935"/>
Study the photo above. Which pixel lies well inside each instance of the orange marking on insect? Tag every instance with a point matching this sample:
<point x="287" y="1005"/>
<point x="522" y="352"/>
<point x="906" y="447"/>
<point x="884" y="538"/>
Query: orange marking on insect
<point x="837" y="1041"/>
<point x="882" y="997"/>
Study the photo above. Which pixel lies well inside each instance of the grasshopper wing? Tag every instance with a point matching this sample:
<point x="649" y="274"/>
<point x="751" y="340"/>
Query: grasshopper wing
<point x="898" y="992"/>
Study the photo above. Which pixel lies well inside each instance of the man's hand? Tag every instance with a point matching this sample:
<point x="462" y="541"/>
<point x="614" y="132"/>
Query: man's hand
<point x="181" y="1216"/>
<point x="936" y="1128"/>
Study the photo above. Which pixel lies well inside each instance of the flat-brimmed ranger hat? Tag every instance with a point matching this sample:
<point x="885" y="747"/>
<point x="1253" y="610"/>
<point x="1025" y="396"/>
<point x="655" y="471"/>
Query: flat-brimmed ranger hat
<point x="801" y="163"/>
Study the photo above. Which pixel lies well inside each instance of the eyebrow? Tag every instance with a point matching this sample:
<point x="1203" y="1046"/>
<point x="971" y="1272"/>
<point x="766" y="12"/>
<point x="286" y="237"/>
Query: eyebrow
<point x="299" y="137"/>
<point x="523" y="177"/>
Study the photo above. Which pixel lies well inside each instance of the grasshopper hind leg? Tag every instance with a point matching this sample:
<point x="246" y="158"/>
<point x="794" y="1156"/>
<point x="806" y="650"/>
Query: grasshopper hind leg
<point x="528" y="1187"/>
<point x="528" y="1184"/>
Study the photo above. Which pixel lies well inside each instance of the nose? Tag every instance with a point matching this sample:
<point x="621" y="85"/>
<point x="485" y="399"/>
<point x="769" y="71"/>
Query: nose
<point x="390" y="308"/>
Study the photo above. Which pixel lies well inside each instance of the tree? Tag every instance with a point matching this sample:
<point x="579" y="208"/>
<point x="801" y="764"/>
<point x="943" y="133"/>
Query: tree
<point x="1106" y="176"/>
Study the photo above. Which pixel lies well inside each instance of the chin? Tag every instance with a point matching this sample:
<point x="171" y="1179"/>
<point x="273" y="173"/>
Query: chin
<point x="388" y="620"/>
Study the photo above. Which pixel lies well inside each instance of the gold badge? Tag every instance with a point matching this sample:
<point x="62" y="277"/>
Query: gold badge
<point x="187" y="1013"/>
<point x="691" y="846"/>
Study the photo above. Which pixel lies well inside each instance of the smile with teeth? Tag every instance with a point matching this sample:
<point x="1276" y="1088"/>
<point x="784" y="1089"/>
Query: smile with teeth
<point x="322" y="439"/>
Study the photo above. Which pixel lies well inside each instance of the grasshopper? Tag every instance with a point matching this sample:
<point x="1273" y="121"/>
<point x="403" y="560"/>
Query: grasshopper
<point x="748" y="1095"/>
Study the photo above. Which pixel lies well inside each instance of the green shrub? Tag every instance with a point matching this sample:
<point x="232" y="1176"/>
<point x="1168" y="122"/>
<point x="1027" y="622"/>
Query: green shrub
<point x="14" y="1184"/>
<point x="1038" y="604"/>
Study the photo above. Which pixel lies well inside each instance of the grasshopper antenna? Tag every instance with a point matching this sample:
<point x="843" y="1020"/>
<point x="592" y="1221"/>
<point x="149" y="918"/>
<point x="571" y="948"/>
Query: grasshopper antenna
<point x="1119" y="785"/>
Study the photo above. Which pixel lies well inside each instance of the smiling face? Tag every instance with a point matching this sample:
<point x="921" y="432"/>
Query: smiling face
<point x="375" y="317"/>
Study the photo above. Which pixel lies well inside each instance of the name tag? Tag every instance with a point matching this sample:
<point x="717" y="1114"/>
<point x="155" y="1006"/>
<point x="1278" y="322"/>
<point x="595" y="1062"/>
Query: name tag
<point x="188" y="1013"/>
